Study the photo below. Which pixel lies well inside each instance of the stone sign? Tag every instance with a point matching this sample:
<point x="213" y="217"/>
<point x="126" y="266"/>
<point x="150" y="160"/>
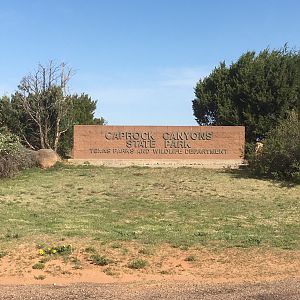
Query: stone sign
<point x="159" y="142"/>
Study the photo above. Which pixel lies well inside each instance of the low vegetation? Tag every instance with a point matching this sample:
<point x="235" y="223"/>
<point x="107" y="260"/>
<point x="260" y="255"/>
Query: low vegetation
<point x="180" y="207"/>
<point x="137" y="264"/>
<point x="69" y="221"/>
<point x="13" y="156"/>
<point x="38" y="266"/>
<point x="99" y="260"/>
<point x="280" y="156"/>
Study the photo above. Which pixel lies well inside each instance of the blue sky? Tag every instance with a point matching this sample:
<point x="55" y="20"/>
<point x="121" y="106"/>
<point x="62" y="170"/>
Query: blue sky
<point x="141" y="59"/>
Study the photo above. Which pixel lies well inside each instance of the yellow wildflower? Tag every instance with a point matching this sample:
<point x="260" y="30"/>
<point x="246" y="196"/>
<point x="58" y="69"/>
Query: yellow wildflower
<point x="41" y="252"/>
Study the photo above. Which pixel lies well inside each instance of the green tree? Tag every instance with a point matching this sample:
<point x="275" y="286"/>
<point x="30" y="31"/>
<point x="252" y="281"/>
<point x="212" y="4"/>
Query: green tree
<point x="42" y="113"/>
<point x="83" y="110"/>
<point x="42" y="96"/>
<point x="257" y="91"/>
<point x="5" y="110"/>
<point x="280" y="156"/>
<point x="17" y="121"/>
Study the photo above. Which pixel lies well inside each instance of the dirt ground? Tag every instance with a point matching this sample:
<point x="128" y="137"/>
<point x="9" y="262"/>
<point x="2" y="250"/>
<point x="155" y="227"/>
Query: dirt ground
<point x="231" y="265"/>
<point x="171" y="273"/>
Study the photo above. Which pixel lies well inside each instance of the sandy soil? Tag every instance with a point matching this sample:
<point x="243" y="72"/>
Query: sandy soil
<point x="164" y="264"/>
<point x="224" y="274"/>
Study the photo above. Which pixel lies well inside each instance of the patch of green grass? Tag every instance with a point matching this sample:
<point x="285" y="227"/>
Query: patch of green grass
<point x="90" y="250"/>
<point x="252" y="241"/>
<point x="12" y="235"/>
<point x="38" y="266"/>
<point x="145" y="251"/>
<point x="137" y="264"/>
<point x="109" y="271"/>
<point x="77" y="265"/>
<point x="182" y="207"/>
<point x="116" y="245"/>
<point x="99" y="260"/>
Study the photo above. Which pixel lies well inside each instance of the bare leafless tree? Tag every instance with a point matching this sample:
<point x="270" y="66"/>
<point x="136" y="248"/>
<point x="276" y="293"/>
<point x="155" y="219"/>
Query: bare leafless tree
<point x="44" y="97"/>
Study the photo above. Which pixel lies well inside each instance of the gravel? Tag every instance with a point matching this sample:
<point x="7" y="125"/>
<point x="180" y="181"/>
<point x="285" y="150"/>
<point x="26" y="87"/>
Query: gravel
<point x="278" y="290"/>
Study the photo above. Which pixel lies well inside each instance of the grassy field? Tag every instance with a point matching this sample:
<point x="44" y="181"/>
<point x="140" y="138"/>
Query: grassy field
<point x="150" y="206"/>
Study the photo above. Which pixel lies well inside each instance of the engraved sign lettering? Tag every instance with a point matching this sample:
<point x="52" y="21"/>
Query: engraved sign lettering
<point x="158" y="142"/>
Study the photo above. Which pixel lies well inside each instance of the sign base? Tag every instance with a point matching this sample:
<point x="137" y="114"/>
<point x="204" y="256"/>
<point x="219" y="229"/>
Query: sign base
<point x="164" y="163"/>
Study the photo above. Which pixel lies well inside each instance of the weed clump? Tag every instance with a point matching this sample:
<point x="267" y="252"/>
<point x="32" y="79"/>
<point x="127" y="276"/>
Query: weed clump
<point x="62" y="250"/>
<point x="190" y="258"/>
<point x="99" y="260"/>
<point x="137" y="264"/>
<point x="145" y="251"/>
<point x="38" y="266"/>
<point x="40" y="277"/>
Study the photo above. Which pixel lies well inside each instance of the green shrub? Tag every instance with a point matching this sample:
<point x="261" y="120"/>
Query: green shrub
<point x="137" y="264"/>
<point x="38" y="266"/>
<point x="61" y="250"/>
<point x="98" y="260"/>
<point x="2" y="254"/>
<point x="13" y="156"/>
<point x="280" y="155"/>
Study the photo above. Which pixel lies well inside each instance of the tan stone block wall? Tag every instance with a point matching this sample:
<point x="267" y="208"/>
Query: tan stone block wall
<point x="159" y="142"/>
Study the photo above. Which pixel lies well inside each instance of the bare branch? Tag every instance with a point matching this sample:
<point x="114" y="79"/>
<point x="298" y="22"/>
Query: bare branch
<point x="44" y="98"/>
<point x="26" y="141"/>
